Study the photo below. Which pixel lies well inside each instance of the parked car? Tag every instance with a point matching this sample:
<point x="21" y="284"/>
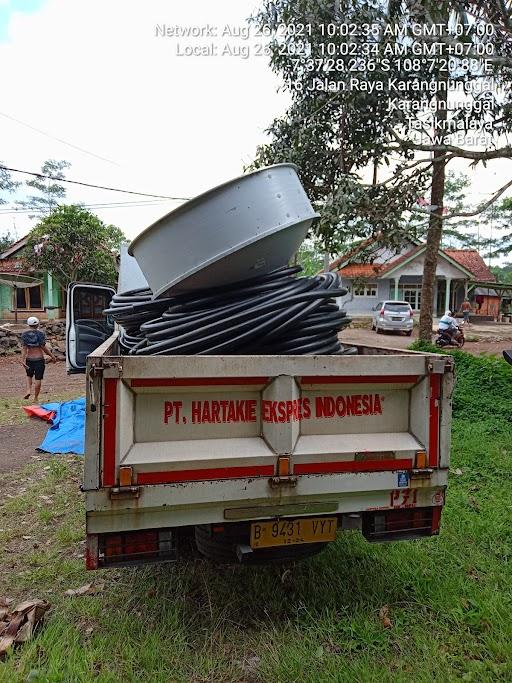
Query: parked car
<point x="395" y="316"/>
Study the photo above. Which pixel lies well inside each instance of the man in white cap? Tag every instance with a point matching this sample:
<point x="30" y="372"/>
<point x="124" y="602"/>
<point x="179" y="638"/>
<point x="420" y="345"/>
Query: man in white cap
<point x="33" y="349"/>
<point x="448" y="324"/>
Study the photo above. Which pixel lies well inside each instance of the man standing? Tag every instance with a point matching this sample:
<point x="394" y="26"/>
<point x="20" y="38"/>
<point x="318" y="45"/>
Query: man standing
<point x="34" y="346"/>
<point x="466" y="311"/>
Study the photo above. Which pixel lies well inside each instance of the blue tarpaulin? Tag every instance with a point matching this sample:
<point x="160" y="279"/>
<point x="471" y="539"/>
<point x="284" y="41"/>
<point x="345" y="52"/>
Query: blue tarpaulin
<point x="66" y="435"/>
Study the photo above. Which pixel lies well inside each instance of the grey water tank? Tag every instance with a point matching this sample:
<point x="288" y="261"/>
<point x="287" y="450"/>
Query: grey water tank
<point x="243" y="228"/>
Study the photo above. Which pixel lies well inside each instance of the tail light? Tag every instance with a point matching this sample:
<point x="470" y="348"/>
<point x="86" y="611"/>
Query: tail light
<point x="381" y="312"/>
<point x="134" y="547"/>
<point x="411" y="314"/>
<point x="396" y="525"/>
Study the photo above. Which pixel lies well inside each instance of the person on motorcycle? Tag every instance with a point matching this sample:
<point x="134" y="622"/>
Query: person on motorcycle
<point x="448" y="326"/>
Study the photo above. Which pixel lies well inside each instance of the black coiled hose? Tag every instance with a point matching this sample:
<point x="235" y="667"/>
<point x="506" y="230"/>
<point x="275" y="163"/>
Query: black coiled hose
<point x="277" y="313"/>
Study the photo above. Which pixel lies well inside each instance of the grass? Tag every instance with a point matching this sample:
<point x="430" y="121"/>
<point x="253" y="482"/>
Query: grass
<point x="11" y="412"/>
<point x="449" y="599"/>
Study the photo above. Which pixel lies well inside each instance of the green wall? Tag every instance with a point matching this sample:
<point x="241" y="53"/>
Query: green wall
<point x="51" y="297"/>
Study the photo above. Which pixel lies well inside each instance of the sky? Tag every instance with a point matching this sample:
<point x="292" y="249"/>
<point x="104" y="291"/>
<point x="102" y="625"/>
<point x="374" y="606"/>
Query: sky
<point x="100" y="76"/>
<point x="94" y="74"/>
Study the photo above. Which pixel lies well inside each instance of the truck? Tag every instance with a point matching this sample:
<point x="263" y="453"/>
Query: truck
<point x="258" y="458"/>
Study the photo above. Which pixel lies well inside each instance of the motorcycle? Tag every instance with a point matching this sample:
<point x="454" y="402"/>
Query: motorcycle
<point x="445" y="339"/>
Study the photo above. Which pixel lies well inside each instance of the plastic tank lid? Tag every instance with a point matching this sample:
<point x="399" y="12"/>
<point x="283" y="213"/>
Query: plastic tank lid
<point x="203" y="195"/>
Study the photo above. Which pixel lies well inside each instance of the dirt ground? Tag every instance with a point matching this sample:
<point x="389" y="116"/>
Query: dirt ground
<point x="56" y="381"/>
<point x="395" y="340"/>
<point x="19" y="441"/>
<point x="18" y="444"/>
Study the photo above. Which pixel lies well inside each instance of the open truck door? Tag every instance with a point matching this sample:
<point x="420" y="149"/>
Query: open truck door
<point x="86" y="326"/>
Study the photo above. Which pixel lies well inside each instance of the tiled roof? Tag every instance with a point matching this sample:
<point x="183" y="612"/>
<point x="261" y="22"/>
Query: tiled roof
<point x="352" y="252"/>
<point x="11" y="265"/>
<point x="16" y="246"/>
<point x="360" y="270"/>
<point x="469" y="259"/>
<point x="472" y="261"/>
<point x="401" y="259"/>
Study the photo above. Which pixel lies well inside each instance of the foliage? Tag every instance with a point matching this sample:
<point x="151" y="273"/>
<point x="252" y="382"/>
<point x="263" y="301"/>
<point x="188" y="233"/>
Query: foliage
<point x="6" y="183"/>
<point x="51" y="193"/>
<point x="311" y="256"/>
<point x="503" y="273"/>
<point x="6" y="239"/>
<point x="74" y="244"/>
<point x="337" y="136"/>
<point x="501" y="219"/>
<point x="493" y="378"/>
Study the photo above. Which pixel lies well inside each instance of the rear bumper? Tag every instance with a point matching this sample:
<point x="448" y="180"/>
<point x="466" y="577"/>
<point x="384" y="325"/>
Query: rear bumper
<point x="406" y="325"/>
<point x="206" y="502"/>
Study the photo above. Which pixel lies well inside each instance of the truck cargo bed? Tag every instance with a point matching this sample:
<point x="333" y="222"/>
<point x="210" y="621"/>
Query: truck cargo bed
<point x="175" y="441"/>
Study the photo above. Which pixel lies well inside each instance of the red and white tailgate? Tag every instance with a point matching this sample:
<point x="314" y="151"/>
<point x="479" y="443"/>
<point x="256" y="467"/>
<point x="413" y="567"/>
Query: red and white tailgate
<point x="194" y="440"/>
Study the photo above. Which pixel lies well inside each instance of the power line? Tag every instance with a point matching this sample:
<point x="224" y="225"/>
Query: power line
<point x="13" y="210"/>
<point x="97" y="187"/>
<point x="52" y="137"/>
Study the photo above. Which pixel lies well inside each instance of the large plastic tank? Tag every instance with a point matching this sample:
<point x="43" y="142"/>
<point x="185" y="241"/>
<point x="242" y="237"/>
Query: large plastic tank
<point x="240" y="229"/>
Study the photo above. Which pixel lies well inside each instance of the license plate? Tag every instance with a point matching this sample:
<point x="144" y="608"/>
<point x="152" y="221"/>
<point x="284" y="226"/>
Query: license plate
<point x="293" y="531"/>
<point x="400" y="319"/>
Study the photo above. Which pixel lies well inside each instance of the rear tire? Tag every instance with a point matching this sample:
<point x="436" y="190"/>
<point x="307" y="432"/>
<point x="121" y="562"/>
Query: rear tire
<point x="222" y="548"/>
<point x="378" y="330"/>
<point x="409" y="333"/>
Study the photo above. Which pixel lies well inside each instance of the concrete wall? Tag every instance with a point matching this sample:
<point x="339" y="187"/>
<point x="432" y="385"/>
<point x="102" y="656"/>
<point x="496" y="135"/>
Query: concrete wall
<point x="51" y="297"/>
<point x="364" y="304"/>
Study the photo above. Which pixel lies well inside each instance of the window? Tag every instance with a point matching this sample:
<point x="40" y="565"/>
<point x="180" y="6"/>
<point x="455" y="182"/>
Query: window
<point x="368" y="289"/>
<point x="29" y="298"/>
<point x="411" y="294"/>
<point x="396" y="308"/>
<point x="90" y="304"/>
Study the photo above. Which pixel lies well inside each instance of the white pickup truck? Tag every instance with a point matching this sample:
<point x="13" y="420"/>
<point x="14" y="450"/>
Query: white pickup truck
<point x="261" y="457"/>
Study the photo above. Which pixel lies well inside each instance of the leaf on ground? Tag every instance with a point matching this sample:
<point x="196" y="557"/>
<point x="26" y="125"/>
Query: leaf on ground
<point x="83" y="590"/>
<point x="87" y="589"/>
<point x="384" y="617"/>
<point x="21" y="623"/>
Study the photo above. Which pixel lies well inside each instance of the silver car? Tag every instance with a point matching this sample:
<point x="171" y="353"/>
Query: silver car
<point x="392" y="316"/>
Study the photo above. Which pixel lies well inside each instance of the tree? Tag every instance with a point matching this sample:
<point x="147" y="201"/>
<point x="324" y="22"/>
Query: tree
<point x="500" y="218"/>
<point x="74" y="244"/>
<point x="6" y="185"/>
<point x="338" y="131"/>
<point x="310" y="256"/>
<point x="6" y="239"/>
<point x="51" y="193"/>
<point x="503" y="273"/>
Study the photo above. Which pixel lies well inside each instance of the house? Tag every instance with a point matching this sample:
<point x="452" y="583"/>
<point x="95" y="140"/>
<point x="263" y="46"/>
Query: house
<point x="46" y="300"/>
<point x="372" y="273"/>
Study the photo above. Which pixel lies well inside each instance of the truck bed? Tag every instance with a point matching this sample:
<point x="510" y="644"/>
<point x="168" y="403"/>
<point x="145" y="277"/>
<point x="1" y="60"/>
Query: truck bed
<point x="175" y="441"/>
